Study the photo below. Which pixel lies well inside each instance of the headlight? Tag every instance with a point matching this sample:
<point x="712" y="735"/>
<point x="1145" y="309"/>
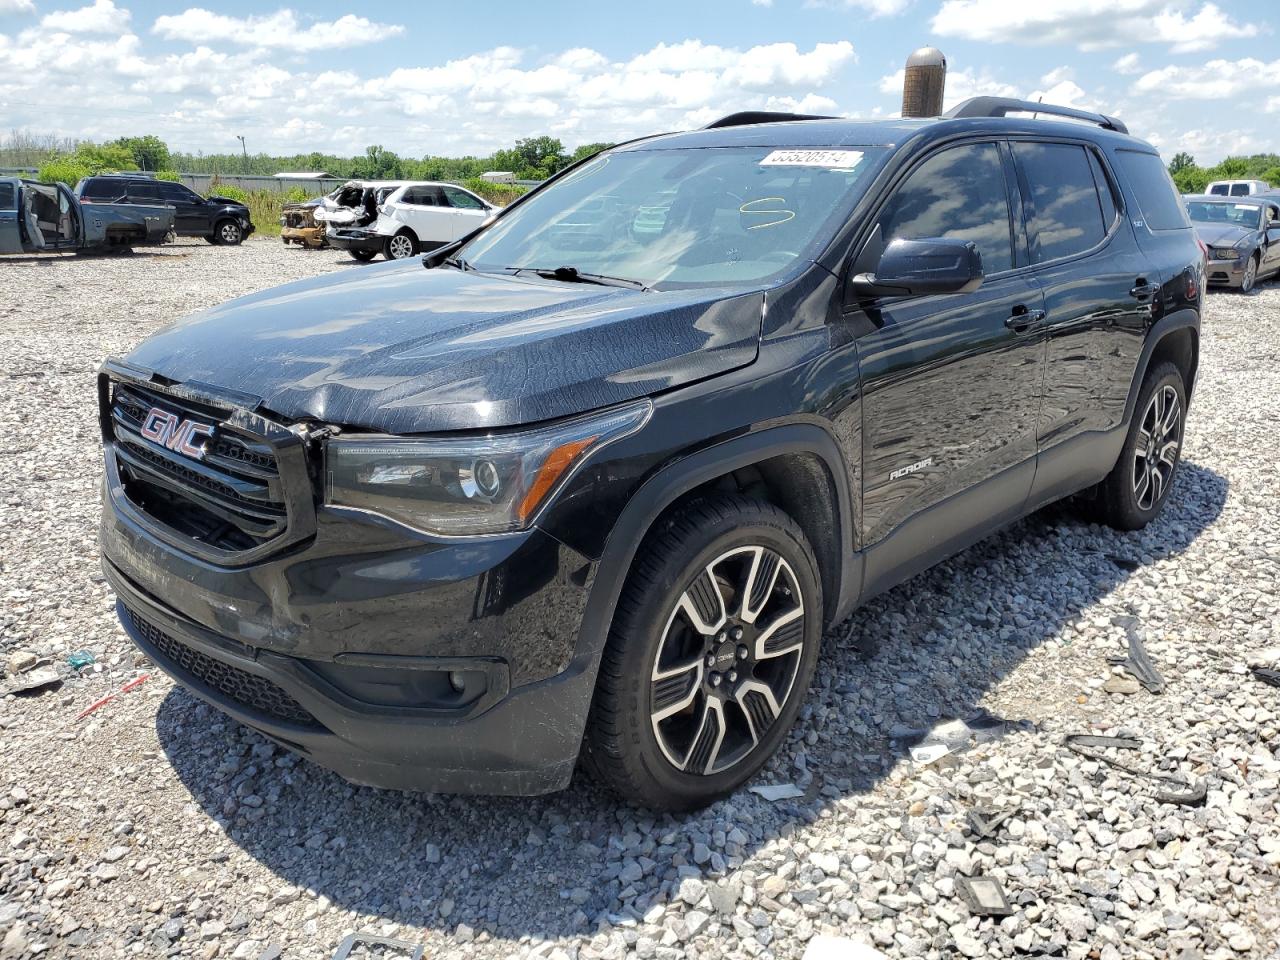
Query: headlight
<point x="1223" y="253"/>
<point x="462" y="487"/>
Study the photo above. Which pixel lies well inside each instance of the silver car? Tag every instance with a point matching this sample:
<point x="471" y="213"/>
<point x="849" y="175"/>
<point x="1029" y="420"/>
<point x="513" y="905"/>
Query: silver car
<point x="1241" y="235"/>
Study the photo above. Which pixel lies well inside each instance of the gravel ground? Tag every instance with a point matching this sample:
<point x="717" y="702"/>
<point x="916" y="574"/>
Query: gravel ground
<point x="155" y="827"/>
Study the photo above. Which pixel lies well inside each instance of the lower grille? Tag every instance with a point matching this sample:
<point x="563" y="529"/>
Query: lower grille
<point x="246" y="689"/>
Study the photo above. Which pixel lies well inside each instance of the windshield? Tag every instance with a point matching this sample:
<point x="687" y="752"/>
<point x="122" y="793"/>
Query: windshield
<point x="683" y="217"/>
<point x="1240" y="214"/>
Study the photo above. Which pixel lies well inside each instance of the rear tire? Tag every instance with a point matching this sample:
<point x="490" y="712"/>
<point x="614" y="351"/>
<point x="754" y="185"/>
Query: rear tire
<point x="401" y="246"/>
<point x="1136" y="489"/>
<point x="364" y="256"/>
<point x="710" y="654"/>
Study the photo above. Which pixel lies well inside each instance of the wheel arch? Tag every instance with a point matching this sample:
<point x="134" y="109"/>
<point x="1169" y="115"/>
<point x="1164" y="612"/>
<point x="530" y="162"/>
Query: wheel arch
<point x="798" y="467"/>
<point x="1175" y="338"/>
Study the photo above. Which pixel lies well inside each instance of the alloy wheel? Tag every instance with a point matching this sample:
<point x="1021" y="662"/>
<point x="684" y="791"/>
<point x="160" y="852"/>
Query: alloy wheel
<point x="229" y="233"/>
<point x="728" y="660"/>
<point x="1250" y="275"/>
<point x="1156" y="454"/>
<point x="400" y="247"/>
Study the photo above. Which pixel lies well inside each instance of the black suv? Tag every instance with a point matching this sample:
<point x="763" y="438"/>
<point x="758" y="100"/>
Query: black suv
<point x="217" y="219"/>
<point x="591" y="481"/>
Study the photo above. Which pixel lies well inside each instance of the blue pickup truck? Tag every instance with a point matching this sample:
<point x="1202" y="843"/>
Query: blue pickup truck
<point x="47" y="217"/>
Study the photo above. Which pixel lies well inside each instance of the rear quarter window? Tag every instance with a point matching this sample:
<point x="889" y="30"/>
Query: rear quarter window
<point x="1154" y="190"/>
<point x="99" y="188"/>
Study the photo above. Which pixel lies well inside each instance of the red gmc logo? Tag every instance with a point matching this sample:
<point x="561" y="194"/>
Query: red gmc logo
<point x="167" y="430"/>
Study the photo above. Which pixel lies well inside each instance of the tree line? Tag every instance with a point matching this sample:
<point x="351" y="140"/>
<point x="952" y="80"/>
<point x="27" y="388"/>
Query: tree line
<point x="1192" y="178"/>
<point x="532" y="158"/>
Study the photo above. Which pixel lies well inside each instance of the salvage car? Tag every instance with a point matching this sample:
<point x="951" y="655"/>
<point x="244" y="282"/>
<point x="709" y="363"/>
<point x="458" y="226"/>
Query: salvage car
<point x="456" y="523"/>
<point x="298" y="225"/>
<point x="351" y="208"/>
<point x="47" y="217"/>
<point x="1241" y="235"/>
<point x="409" y="218"/>
<point x="220" y="220"/>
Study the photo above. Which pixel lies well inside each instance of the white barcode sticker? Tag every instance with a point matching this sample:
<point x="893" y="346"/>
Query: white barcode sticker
<point x="835" y="159"/>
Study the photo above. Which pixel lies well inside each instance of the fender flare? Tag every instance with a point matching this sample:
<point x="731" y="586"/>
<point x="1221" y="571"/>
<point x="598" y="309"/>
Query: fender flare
<point x="661" y="490"/>
<point x="1171" y="323"/>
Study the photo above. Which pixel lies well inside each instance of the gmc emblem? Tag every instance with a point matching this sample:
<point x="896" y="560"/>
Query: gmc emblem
<point x="167" y="430"/>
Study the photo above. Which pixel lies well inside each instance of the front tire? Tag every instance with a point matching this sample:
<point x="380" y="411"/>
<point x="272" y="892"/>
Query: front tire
<point x="1250" y="274"/>
<point x="228" y="233"/>
<point x="710" y="654"/>
<point x="1135" y="491"/>
<point x="401" y="246"/>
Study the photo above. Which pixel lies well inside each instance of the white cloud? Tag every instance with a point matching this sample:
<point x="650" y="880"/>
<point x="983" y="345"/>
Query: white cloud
<point x="279" y="30"/>
<point x="17" y="6"/>
<point x="1066" y="93"/>
<point x="1130" y="63"/>
<point x="1273" y="105"/>
<point x="762" y="3"/>
<point x="877" y="8"/>
<point x="1057" y="75"/>
<point x="201" y="98"/>
<point x="1215" y="80"/>
<point x="102" y="16"/>
<point x="1088" y="24"/>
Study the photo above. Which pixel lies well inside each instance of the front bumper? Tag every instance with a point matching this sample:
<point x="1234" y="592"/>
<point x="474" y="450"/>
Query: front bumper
<point x="1224" y="273"/>
<point x="342" y="647"/>
<point x="307" y="236"/>
<point x="353" y="238"/>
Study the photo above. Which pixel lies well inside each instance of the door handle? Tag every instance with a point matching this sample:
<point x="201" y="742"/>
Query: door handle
<point x="1142" y="290"/>
<point x="1022" y="319"/>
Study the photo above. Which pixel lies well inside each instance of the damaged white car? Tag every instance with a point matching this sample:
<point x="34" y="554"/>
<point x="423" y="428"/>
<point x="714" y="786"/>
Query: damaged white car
<point x="400" y="219"/>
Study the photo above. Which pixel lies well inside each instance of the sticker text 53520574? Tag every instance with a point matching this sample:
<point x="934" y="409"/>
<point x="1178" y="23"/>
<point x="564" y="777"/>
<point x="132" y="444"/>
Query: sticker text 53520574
<point x="834" y="159"/>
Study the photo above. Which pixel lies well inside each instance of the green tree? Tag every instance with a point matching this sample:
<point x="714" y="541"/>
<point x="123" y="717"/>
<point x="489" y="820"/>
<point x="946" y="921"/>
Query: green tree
<point x="1232" y="168"/>
<point x="104" y="158"/>
<point x="588" y="150"/>
<point x="1181" y="161"/>
<point x="1271" y="175"/>
<point x="1191" y="179"/>
<point x="149" y="153"/>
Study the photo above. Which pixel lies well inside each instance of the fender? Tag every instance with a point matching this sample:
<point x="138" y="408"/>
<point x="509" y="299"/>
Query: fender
<point x="1178" y="320"/>
<point x="678" y="478"/>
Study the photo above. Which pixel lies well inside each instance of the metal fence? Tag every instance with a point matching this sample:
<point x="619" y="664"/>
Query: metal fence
<point x="203" y="182"/>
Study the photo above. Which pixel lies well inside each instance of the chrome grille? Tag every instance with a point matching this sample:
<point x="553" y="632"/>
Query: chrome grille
<point x="242" y="493"/>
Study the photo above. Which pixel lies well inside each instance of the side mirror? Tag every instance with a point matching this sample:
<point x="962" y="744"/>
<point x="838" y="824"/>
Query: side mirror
<point x="921" y="267"/>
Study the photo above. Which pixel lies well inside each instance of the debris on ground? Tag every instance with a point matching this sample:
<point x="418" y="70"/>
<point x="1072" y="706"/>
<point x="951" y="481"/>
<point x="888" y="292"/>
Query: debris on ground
<point x="984" y="896"/>
<point x="135" y="682"/>
<point x="80" y="659"/>
<point x="1266" y="675"/>
<point x="775" y="792"/>
<point x="955" y="735"/>
<point x="35" y="680"/>
<point x="406" y="950"/>
<point x="985" y="823"/>
<point x="1138" y="662"/>
<point x="1091" y="746"/>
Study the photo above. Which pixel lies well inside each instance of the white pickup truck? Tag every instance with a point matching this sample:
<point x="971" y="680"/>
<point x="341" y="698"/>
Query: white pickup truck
<point x="47" y="218"/>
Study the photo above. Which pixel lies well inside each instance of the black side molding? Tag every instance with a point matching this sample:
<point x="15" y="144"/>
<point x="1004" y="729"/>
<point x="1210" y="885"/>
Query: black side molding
<point x="1002" y="106"/>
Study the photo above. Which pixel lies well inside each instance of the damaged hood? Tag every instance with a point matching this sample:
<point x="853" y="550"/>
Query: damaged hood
<point x="1222" y="234"/>
<point x="402" y="349"/>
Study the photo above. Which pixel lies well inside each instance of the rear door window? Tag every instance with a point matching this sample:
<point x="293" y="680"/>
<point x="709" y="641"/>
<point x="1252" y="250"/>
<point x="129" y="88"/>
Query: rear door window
<point x="100" y="188"/>
<point x="144" y="191"/>
<point x="8" y="196"/>
<point x="959" y="194"/>
<point x="1065" y="215"/>
<point x="1156" y="195"/>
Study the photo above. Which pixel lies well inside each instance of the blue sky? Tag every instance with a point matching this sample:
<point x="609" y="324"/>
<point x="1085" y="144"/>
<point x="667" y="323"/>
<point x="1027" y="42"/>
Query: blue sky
<point x="422" y="78"/>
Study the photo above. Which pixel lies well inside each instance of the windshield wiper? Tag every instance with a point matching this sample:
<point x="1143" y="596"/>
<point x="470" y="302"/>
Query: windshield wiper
<point x="574" y="275"/>
<point x="458" y="263"/>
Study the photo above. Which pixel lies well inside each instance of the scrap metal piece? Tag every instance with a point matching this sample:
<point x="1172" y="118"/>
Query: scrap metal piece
<point x="1266" y="675"/>
<point x="1188" y="794"/>
<point x="984" y="823"/>
<point x="773" y="792"/>
<point x="957" y="735"/>
<point x="1138" y="662"/>
<point x="353" y="940"/>
<point x="984" y="896"/>
<point x="32" y="680"/>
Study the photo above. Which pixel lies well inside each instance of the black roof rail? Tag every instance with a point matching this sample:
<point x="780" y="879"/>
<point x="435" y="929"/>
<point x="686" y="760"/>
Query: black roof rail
<point x="1002" y="106"/>
<point x="759" y="116"/>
